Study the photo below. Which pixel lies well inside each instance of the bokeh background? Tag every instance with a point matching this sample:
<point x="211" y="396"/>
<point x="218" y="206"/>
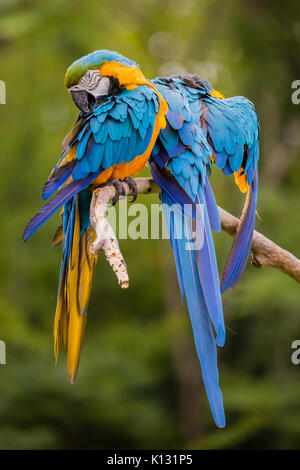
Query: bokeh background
<point x="139" y="383"/>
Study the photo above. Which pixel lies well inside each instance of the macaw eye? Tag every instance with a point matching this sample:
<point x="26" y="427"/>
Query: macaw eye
<point x="91" y="101"/>
<point x="114" y="87"/>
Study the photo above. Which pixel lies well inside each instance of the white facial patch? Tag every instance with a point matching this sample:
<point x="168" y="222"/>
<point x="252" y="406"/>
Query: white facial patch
<point x="93" y="83"/>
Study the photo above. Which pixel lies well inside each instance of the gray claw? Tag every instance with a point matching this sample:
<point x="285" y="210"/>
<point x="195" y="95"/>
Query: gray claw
<point x="120" y="191"/>
<point x="133" y="187"/>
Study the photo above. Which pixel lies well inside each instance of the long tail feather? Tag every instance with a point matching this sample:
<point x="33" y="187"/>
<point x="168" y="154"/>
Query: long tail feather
<point x="212" y="208"/>
<point x="74" y="288"/>
<point x="189" y="280"/>
<point x="208" y="271"/>
<point x="206" y="258"/>
<point x="241" y="245"/>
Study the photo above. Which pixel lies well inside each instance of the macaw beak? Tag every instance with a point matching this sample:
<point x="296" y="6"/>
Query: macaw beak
<point x="82" y="99"/>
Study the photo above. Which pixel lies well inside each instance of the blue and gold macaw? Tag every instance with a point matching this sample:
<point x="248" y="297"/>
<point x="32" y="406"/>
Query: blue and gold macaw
<point x="179" y="126"/>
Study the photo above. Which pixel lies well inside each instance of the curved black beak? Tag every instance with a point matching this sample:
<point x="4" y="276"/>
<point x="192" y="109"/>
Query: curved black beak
<point x="83" y="100"/>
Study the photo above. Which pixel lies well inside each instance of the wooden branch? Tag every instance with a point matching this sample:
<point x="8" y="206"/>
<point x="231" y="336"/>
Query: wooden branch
<point x="106" y="239"/>
<point x="264" y="251"/>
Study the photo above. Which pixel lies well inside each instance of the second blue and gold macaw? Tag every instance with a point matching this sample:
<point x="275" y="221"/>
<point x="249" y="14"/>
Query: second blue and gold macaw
<point x="179" y="126"/>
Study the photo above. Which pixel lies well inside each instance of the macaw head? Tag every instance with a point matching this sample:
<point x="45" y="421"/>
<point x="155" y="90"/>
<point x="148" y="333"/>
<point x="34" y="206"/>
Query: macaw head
<point x="99" y="75"/>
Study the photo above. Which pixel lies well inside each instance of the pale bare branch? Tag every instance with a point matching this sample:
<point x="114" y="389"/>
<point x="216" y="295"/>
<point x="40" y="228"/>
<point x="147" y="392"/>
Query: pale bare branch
<point x="264" y="251"/>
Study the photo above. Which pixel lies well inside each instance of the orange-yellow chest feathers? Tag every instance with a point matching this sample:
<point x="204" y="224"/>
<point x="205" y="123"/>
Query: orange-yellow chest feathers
<point x="130" y="77"/>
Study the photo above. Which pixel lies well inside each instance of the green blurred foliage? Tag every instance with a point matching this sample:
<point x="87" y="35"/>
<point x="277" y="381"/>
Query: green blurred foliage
<point x="131" y="388"/>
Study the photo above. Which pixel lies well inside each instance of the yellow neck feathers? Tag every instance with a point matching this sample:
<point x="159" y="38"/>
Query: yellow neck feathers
<point x="217" y="94"/>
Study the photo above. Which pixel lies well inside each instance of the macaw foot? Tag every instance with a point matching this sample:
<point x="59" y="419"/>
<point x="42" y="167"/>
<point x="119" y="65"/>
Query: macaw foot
<point x="133" y="187"/>
<point x="120" y="191"/>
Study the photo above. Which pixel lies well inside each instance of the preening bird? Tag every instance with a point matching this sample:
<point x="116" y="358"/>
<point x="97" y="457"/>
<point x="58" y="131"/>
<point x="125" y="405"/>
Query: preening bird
<point x="180" y="126"/>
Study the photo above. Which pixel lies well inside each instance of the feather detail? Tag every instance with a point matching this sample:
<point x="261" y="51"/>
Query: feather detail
<point x="86" y="269"/>
<point x="57" y="178"/>
<point x="56" y="202"/>
<point x="206" y="258"/>
<point x="76" y="322"/>
<point x="60" y="317"/>
<point x="67" y="142"/>
<point x="212" y="208"/>
<point x="58" y="236"/>
<point x="74" y="290"/>
<point x="241" y="245"/>
<point x="173" y="190"/>
<point x="208" y="271"/>
<point x="188" y="275"/>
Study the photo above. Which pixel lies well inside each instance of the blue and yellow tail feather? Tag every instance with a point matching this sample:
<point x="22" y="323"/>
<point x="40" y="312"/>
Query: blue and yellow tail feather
<point x="74" y="288"/>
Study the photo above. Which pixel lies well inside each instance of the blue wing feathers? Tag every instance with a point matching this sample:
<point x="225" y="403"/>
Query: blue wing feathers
<point x="56" y="203"/>
<point x="112" y="134"/>
<point x="81" y="147"/>
<point x="212" y="208"/>
<point x="235" y="160"/>
<point x="175" y="119"/>
<point x="208" y="271"/>
<point x="242" y="242"/>
<point x="220" y="159"/>
<point x="234" y="132"/>
<point x="232" y="125"/>
<point x="94" y="125"/>
<point x="58" y="178"/>
<point x="95" y="157"/>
